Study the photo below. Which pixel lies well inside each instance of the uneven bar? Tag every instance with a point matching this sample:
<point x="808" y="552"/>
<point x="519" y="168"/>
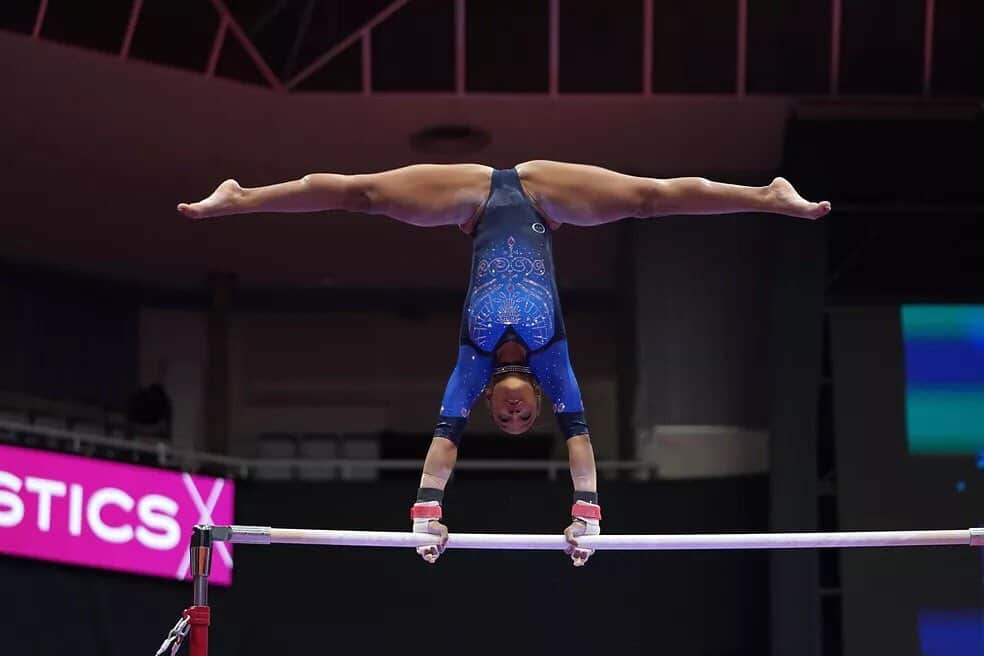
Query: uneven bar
<point x="843" y="539"/>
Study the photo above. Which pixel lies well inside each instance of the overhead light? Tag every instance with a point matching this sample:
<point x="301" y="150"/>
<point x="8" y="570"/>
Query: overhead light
<point x="450" y="139"/>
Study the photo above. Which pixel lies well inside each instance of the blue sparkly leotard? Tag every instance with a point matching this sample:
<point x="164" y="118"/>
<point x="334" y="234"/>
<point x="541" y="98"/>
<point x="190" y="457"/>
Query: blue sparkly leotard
<point x="512" y="297"/>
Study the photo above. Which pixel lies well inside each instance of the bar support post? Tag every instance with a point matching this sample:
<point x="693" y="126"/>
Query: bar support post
<point x="199" y="615"/>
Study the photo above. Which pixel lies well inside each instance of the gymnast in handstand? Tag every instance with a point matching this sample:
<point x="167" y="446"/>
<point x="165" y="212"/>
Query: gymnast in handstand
<point x="512" y="346"/>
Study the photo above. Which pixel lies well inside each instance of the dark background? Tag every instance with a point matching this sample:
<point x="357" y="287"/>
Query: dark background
<point x="782" y="326"/>
<point x="383" y="600"/>
<point x="881" y="485"/>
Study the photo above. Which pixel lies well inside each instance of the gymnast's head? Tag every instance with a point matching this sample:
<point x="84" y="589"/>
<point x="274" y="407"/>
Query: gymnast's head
<point x="513" y="397"/>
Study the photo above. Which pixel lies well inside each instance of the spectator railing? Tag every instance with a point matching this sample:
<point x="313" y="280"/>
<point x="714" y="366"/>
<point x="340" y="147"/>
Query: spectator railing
<point x="164" y="454"/>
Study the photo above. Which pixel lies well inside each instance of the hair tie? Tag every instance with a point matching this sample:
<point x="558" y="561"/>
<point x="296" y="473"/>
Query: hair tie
<point x="512" y="369"/>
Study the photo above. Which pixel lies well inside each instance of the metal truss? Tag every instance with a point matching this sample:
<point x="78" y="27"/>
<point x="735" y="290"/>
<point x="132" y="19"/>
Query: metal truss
<point x="229" y="25"/>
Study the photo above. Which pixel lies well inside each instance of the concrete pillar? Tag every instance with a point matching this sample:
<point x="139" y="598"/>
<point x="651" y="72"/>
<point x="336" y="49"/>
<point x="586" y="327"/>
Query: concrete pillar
<point x="702" y="288"/>
<point x="221" y="287"/>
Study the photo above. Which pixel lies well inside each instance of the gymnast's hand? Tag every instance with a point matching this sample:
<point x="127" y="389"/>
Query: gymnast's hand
<point x="433" y="527"/>
<point x="579" y="555"/>
<point x="586" y="521"/>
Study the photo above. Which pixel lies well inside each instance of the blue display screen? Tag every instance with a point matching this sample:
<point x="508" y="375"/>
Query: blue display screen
<point x="944" y="378"/>
<point x="951" y="632"/>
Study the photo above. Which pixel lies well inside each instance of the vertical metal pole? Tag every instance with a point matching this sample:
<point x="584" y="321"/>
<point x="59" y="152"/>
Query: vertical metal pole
<point x="200" y="615"/>
<point x="928" y="41"/>
<point x="344" y="44"/>
<point x="835" y="45"/>
<point x="554" y="47"/>
<point x="131" y="27"/>
<point x="647" y="47"/>
<point x="213" y="58"/>
<point x="459" y="47"/>
<point x="248" y="46"/>
<point x="741" y="73"/>
<point x="201" y="562"/>
<point x="367" y="62"/>
<point x="39" y="19"/>
<point x="302" y="28"/>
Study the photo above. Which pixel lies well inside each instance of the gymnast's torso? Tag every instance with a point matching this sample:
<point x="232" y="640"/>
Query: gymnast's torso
<point x="512" y="296"/>
<point x="512" y="291"/>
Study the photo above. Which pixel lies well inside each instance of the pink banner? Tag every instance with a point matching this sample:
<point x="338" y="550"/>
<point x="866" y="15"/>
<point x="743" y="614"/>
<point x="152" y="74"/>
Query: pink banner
<point x="90" y="512"/>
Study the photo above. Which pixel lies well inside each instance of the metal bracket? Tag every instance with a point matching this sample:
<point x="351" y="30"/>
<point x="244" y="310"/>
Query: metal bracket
<point x="221" y="533"/>
<point x="201" y="562"/>
<point x="247" y="534"/>
<point x="241" y="534"/>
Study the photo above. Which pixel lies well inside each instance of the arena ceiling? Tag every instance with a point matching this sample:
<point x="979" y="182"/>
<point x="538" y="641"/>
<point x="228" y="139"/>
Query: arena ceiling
<point x="122" y="111"/>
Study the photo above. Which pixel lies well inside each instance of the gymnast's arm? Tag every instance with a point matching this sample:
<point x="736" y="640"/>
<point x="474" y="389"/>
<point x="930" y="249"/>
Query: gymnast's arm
<point x="580" y="454"/>
<point x="423" y="195"/>
<point x="585" y="513"/>
<point x="426" y="512"/>
<point x="471" y="372"/>
<point x="552" y="367"/>
<point x="590" y="195"/>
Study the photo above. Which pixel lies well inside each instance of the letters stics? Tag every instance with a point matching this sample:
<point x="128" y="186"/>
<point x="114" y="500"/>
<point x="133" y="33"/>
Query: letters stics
<point x="156" y="527"/>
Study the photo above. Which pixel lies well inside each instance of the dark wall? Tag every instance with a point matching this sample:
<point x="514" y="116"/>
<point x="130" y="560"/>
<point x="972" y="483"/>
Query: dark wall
<point x="795" y="347"/>
<point x="702" y="319"/>
<point x="66" y="338"/>
<point x="293" y="599"/>
<point x="915" y="159"/>
<point x="881" y="486"/>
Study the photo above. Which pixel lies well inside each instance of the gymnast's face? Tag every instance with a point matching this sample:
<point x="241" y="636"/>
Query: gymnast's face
<point x="514" y="403"/>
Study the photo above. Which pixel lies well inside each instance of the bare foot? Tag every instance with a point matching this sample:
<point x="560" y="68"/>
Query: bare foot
<point x="221" y="202"/>
<point x="784" y="199"/>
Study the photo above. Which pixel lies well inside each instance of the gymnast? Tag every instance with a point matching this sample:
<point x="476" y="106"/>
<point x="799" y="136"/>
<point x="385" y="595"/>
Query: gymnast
<point x="513" y="345"/>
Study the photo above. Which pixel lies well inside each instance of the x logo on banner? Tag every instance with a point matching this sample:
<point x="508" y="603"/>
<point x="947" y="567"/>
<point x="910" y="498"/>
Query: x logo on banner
<point x="205" y="509"/>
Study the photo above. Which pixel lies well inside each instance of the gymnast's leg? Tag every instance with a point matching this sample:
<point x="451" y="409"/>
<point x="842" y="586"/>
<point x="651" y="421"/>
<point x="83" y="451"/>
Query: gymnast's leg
<point x="423" y="195"/>
<point x="590" y="195"/>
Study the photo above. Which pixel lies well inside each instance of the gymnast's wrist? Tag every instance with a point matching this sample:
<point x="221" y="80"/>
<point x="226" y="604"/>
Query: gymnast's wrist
<point x="426" y="509"/>
<point x="587" y="512"/>
<point x="586" y="496"/>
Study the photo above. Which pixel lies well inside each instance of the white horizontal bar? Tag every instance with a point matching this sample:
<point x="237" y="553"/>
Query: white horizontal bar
<point x="265" y="535"/>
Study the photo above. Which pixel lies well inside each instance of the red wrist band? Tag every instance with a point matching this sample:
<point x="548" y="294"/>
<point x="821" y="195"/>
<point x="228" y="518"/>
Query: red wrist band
<point x="425" y="511"/>
<point x="586" y="510"/>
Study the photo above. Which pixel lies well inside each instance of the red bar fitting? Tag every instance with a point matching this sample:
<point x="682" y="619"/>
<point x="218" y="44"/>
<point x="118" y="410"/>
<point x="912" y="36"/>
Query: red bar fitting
<point x="199" y="618"/>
